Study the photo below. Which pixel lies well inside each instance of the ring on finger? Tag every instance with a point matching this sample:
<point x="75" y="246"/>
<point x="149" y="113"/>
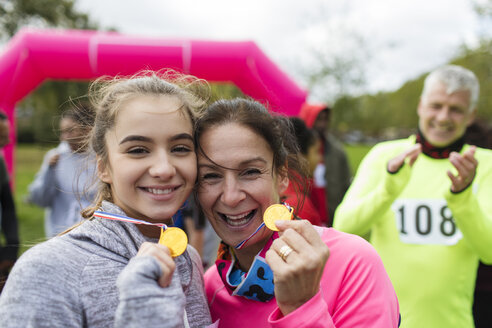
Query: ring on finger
<point x="284" y="252"/>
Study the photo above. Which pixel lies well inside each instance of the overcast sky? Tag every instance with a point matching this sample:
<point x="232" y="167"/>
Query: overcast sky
<point x="404" y="37"/>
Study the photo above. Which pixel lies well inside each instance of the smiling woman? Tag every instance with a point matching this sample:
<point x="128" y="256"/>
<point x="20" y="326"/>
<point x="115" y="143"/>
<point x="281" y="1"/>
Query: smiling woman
<point x="246" y="158"/>
<point x="237" y="185"/>
<point x="142" y="139"/>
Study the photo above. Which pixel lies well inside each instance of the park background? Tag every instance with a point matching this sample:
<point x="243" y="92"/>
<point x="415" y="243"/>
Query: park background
<point x="362" y="114"/>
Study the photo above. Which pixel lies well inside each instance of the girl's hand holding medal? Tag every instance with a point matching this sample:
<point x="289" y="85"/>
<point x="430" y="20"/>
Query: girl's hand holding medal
<point x="163" y="255"/>
<point x="172" y="243"/>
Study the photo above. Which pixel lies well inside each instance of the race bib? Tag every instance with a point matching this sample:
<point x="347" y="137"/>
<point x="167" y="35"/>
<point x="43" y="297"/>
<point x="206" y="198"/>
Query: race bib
<point x="425" y="222"/>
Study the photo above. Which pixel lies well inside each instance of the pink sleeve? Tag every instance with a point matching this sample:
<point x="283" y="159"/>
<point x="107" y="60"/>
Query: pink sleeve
<point x="355" y="292"/>
<point x="313" y="313"/>
<point x="366" y="297"/>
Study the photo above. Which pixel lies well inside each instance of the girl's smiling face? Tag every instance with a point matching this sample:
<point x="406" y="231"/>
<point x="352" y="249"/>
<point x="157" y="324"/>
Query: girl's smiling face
<point x="237" y="182"/>
<point x="151" y="164"/>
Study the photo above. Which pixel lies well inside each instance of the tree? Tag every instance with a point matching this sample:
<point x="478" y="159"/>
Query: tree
<point x="483" y="8"/>
<point x="15" y="14"/>
<point x="381" y="114"/>
<point x="45" y="104"/>
<point x="338" y="71"/>
<point x="374" y="114"/>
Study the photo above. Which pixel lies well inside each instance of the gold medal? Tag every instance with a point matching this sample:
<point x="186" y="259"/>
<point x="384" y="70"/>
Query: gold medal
<point x="274" y="213"/>
<point x="175" y="239"/>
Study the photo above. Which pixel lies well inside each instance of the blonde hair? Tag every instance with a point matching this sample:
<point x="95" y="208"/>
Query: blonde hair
<point x="108" y="94"/>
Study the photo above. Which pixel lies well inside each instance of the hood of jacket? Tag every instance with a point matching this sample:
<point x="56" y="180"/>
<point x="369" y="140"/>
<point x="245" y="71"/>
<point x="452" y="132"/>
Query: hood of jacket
<point x="120" y="240"/>
<point x="309" y="113"/>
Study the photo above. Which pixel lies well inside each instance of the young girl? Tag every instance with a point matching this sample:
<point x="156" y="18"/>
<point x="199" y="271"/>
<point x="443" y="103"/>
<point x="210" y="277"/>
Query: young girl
<point x="146" y="162"/>
<point x="302" y="276"/>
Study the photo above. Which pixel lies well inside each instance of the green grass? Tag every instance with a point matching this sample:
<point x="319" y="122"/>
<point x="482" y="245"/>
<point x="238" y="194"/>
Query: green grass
<point x="31" y="217"/>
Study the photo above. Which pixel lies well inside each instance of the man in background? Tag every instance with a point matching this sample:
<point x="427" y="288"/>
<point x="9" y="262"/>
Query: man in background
<point x="425" y="201"/>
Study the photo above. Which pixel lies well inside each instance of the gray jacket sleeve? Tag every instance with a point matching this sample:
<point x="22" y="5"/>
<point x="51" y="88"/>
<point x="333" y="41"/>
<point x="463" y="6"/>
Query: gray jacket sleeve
<point x="42" y="291"/>
<point x="143" y="301"/>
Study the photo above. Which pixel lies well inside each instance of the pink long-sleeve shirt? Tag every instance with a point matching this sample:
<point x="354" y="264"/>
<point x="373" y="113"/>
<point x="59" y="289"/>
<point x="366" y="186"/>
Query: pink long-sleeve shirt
<point x="355" y="292"/>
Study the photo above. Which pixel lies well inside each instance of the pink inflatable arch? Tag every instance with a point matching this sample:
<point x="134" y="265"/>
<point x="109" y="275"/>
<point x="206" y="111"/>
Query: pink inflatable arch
<point x="35" y="55"/>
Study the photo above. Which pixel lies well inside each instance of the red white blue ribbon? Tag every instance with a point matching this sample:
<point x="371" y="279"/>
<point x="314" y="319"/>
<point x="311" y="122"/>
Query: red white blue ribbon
<point x="241" y="244"/>
<point x="117" y="217"/>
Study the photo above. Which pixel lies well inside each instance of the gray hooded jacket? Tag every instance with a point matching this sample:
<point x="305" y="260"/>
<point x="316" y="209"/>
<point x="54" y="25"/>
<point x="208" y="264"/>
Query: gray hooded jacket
<point x="71" y="281"/>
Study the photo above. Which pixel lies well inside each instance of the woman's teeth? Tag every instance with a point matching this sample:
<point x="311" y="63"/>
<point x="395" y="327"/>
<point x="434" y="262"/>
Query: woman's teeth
<point x="237" y="217"/>
<point x="159" y="191"/>
<point x="238" y="220"/>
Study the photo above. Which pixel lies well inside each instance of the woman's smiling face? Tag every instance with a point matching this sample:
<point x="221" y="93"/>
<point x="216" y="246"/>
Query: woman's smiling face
<point x="151" y="158"/>
<point x="237" y="181"/>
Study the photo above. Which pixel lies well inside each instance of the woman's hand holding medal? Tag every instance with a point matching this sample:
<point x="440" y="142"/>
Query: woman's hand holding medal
<point x="297" y="259"/>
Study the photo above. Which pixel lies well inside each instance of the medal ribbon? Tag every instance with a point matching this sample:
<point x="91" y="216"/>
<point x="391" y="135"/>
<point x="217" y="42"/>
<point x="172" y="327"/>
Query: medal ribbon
<point x="116" y="217"/>
<point x="241" y="244"/>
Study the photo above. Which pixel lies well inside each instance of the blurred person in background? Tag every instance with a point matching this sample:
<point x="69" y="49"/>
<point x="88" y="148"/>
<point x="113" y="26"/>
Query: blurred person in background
<point x="425" y="201"/>
<point x="8" y="217"/>
<point x="332" y="176"/>
<point x="60" y="184"/>
<point x="309" y="147"/>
